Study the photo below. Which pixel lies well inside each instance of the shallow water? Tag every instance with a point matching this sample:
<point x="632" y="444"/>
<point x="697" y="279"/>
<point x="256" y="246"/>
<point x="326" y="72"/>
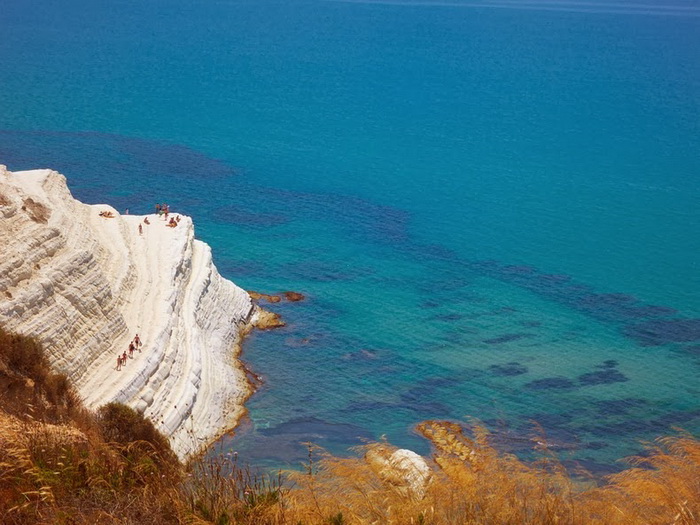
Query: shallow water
<point x="493" y="212"/>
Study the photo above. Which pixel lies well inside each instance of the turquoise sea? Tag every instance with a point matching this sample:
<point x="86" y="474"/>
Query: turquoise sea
<point x="492" y="206"/>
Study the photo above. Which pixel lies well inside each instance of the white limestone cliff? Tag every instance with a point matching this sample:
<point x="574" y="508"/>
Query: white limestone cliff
<point x="84" y="285"/>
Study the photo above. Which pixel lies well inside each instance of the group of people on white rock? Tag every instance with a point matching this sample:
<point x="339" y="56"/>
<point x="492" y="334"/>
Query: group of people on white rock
<point x="164" y="210"/>
<point x="134" y="345"/>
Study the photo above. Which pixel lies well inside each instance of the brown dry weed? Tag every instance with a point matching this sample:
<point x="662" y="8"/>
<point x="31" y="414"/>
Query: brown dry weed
<point x="60" y="463"/>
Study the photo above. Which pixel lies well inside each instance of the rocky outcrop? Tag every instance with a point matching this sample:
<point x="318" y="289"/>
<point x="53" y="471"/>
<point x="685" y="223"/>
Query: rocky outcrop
<point x="84" y="285"/>
<point x="292" y="297"/>
<point x="266" y="320"/>
<point x="257" y="296"/>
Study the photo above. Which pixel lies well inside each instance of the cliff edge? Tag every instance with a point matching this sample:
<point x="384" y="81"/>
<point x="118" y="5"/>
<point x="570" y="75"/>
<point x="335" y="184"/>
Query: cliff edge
<point x="84" y="284"/>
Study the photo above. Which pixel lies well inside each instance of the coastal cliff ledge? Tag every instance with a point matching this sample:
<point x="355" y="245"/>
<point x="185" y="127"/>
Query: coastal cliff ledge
<point x="85" y="283"/>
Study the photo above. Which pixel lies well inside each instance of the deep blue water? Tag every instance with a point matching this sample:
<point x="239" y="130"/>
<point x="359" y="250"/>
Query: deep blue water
<point x="492" y="207"/>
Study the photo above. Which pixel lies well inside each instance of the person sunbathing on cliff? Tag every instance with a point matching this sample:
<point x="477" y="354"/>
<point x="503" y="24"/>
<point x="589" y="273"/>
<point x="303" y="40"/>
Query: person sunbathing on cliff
<point x="172" y="222"/>
<point x="177" y="218"/>
<point x="107" y="214"/>
<point x="146" y="221"/>
<point x="140" y="230"/>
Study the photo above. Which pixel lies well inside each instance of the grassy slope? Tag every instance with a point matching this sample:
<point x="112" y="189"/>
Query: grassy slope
<point x="62" y="464"/>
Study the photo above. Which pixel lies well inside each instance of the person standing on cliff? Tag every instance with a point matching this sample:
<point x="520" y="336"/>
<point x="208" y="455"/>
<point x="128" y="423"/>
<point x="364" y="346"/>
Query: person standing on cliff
<point x="140" y="229"/>
<point x="137" y="342"/>
<point x="119" y="363"/>
<point x="131" y="350"/>
<point x="124" y="358"/>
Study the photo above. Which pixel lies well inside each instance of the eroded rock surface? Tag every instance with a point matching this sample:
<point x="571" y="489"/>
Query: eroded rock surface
<point x="84" y="285"/>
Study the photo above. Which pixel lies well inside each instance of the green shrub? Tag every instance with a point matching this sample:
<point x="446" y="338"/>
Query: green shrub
<point x="125" y="426"/>
<point x="29" y="387"/>
<point x="23" y="355"/>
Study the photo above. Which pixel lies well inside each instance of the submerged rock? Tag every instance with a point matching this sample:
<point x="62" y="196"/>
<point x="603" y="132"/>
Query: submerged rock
<point x="293" y="296"/>
<point x="506" y="338"/>
<point x="508" y="369"/>
<point x="555" y="383"/>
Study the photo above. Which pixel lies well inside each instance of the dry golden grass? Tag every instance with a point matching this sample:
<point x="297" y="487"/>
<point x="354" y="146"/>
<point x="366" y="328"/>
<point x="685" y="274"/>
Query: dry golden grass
<point x="663" y="487"/>
<point x="60" y="464"/>
<point x="57" y="474"/>
<point x="56" y="462"/>
<point x="473" y="483"/>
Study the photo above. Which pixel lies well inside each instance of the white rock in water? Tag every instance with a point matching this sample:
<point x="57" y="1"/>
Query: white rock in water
<point x="84" y="285"/>
<point x="414" y="469"/>
<point x="403" y="468"/>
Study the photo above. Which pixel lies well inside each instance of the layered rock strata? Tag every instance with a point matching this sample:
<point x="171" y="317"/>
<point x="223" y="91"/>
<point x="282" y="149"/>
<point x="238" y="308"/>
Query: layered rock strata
<point x="85" y="284"/>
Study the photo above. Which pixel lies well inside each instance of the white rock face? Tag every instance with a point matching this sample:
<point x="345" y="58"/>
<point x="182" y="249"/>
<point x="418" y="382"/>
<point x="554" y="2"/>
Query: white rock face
<point x="402" y="468"/>
<point x="84" y="285"/>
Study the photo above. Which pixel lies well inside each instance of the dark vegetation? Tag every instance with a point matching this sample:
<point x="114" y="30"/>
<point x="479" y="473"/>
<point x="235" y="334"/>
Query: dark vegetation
<point x="28" y="385"/>
<point x="61" y="464"/>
